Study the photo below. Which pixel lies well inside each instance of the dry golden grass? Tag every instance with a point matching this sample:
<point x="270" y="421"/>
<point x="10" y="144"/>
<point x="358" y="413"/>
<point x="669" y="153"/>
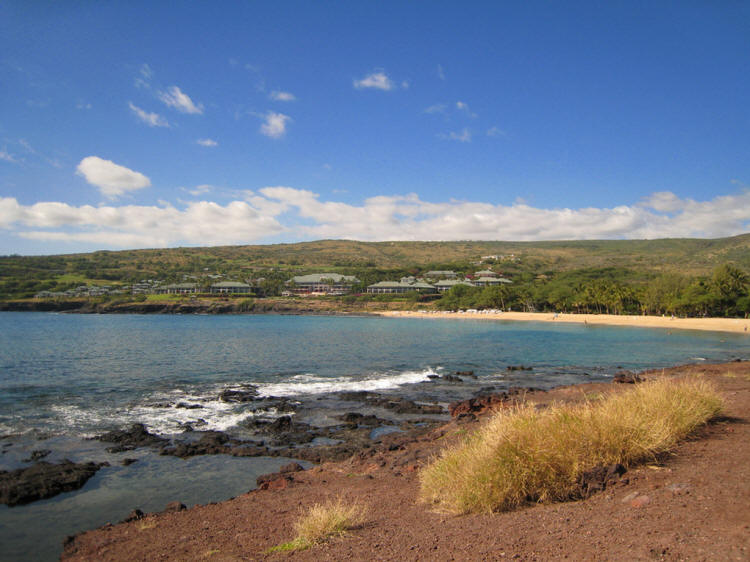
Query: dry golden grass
<point x="322" y="521"/>
<point x="525" y="454"/>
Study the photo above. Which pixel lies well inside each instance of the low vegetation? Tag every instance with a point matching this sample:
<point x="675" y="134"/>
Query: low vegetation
<point x="323" y="521"/>
<point x="525" y="455"/>
<point x="684" y="277"/>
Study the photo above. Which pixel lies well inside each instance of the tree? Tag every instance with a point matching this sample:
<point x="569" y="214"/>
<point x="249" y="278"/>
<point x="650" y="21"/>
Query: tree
<point x="730" y="284"/>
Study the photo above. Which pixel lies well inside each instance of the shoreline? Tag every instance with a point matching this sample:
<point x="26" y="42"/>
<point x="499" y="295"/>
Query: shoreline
<point x="732" y="325"/>
<point x="314" y="308"/>
<point x="386" y="479"/>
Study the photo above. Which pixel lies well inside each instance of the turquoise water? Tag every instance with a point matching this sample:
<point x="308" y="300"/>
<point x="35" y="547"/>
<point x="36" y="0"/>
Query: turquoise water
<point x="65" y="377"/>
<point x="82" y="374"/>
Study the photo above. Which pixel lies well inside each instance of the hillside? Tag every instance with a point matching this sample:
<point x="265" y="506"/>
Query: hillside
<point x="21" y="276"/>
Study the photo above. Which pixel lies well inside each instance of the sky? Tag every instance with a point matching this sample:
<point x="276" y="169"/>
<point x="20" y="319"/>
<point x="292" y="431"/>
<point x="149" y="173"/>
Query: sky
<point x="155" y="124"/>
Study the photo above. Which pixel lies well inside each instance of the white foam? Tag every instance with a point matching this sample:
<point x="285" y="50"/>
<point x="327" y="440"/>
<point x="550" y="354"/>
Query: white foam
<point x="218" y="415"/>
<point x="312" y="384"/>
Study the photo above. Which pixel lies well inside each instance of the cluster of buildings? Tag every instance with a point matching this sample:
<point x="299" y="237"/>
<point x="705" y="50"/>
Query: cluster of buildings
<point x="301" y="285"/>
<point x="440" y="281"/>
<point x="81" y="291"/>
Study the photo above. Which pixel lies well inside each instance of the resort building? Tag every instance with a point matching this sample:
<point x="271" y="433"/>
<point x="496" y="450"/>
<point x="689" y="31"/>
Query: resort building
<point x="406" y="285"/>
<point x="448" y="284"/>
<point x="178" y="289"/>
<point x="321" y="284"/>
<point x="230" y="287"/>
<point x="490" y="281"/>
<point x="485" y="273"/>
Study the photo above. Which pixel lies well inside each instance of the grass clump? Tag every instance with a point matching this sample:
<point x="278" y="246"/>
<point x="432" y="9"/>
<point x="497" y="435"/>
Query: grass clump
<point x="323" y="521"/>
<point x="524" y="454"/>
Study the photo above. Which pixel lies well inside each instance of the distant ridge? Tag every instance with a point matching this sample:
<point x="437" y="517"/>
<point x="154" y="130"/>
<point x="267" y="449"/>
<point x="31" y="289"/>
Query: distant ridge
<point x="689" y="255"/>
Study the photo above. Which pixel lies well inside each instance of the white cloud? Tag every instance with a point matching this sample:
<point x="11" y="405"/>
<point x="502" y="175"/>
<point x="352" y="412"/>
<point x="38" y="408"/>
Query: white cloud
<point x="150" y="119"/>
<point x="83" y="105"/>
<point x="462" y="106"/>
<point x="440" y="72"/>
<point x="376" y="80"/>
<point x="179" y="100"/>
<point x="144" y="78"/>
<point x="24" y="143"/>
<point x="301" y="214"/>
<point x="495" y="132"/>
<point x="207" y="142"/>
<point x="464" y="135"/>
<point x="200" y="189"/>
<point x="281" y="96"/>
<point x="436" y="108"/>
<point x="131" y="226"/>
<point x="274" y="125"/>
<point x="112" y="179"/>
<point x="7" y="156"/>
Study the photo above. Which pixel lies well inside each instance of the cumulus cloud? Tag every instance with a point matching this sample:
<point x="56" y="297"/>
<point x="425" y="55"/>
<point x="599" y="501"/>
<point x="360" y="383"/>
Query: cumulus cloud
<point x="202" y="222"/>
<point x="376" y="80"/>
<point x="407" y="217"/>
<point x="281" y="96"/>
<point x="274" y="125"/>
<point x="150" y="119"/>
<point x="207" y="142"/>
<point x="112" y="179"/>
<point x="301" y="214"/>
<point x="177" y="99"/>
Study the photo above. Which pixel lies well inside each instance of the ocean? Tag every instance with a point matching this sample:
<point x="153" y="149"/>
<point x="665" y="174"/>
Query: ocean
<point x="65" y="378"/>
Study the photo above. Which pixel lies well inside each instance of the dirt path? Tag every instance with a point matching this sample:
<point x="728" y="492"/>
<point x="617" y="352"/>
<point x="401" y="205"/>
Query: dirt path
<point x="693" y="506"/>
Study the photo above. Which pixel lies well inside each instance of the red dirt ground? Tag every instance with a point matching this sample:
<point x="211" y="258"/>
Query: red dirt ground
<point x="695" y="505"/>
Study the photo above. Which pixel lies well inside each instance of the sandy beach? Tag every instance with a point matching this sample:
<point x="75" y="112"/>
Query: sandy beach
<point x="736" y="325"/>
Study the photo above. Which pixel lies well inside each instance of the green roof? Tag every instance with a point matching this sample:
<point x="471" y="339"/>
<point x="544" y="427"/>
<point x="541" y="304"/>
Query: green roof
<point x="399" y="284"/>
<point x="229" y="285"/>
<point x="320" y="277"/>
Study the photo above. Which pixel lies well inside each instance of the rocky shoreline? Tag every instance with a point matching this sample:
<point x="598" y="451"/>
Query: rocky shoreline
<point x="199" y="306"/>
<point x="354" y="433"/>
<point x="635" y="514"/>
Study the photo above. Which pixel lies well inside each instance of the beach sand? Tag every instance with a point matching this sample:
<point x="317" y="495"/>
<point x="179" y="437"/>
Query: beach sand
<point x="736" y="325"/>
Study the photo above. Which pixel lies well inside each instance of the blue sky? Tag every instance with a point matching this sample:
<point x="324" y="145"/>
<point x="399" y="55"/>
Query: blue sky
<point x="131" y="125"/>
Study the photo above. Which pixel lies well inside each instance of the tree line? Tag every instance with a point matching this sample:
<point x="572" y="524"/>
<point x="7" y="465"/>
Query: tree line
<point x="724" y="293"/>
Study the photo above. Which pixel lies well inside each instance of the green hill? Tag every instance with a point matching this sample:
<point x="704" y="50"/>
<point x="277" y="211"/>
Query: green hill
<point x="22" y="276"/>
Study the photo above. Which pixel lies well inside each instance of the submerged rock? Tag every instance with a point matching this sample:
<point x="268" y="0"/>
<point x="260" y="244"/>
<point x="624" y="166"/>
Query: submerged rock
<point x="393" y="403"/>
<point x="129" y="439"/>
<point x="357" y="419"/>
<point x="37" y="455"/>
<point x="44" y="480"/>
<point x="234" y="395"/>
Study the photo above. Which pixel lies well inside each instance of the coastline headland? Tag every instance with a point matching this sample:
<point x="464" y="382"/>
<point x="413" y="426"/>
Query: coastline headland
<point x="736" y="325"/>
